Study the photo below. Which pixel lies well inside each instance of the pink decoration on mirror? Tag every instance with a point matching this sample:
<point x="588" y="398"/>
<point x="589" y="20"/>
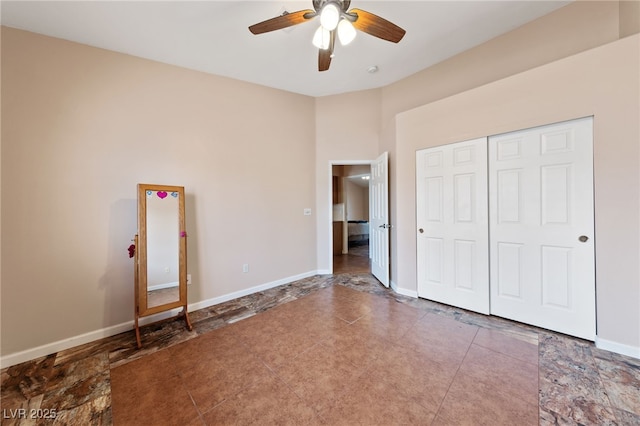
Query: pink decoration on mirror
<point x="162" y="194"/>
<point x="183" y="234"/>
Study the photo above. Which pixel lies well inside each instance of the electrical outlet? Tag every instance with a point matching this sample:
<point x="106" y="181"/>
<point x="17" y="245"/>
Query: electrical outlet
<point x="245" y="267"/>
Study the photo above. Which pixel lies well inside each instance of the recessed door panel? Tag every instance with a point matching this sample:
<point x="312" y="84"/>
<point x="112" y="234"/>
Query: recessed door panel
<point x="557" y="279"/>
<point x="554" y="142"/>
<point x="464" y="188"/>
<point x="509" y="196"/>
<point x="434" y="260"/>
<point x="556" y="194"/>
<point x="509" y="270"/>
<point x="508" y="149"/>
<point x="434" y="199"/>
<point x="464" y="258"/>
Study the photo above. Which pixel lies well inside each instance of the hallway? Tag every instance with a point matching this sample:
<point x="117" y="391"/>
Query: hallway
<point x="355" y="262"/>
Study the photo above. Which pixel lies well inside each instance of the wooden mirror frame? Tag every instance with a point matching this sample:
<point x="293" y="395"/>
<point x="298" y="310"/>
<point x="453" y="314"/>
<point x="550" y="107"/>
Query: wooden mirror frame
<point x="140" y="272"/>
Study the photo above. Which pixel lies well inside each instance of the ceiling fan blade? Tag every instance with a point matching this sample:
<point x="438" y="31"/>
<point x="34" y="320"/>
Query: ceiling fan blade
<point x="325" y="55"/>
<point x="282" y="21"/>
<point x="377" y="26"/>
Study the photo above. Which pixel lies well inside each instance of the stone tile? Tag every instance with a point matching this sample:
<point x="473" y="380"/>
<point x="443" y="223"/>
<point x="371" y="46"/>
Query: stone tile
<point x="420" y="378"/>
<point x="95" y="411"/>
<point x="442" y="339"/>
<point x="27" y="380"/>
<point x="159" y="402"/>
<point x="570" y="383"/>
<point x="217" y="374"/>
<point x="107" y="345"/>
<point x="347" y="309"/>
<point x="314" y="334"/>
<point x="621" y="381"/>
<point x="516" y="378"/>
<point x="550" y="418"/>
<point x="370" y="401"/>
<point x="320" y="375"/>
<point x="268" y="401"/>
<point x="359" y="348"/>
<point x="209" y="324"/>
<point x="472" y="402"/>
<point x="154" y="337"/>
<point x="577" y="399"/>
<point x="506" y="344"/>
<point x="77" y="383"/>
<point x="276" y="349"/>
<point x="513" y="329"/>
<point x="626" y="418"/>
<point x="18" y="411"/>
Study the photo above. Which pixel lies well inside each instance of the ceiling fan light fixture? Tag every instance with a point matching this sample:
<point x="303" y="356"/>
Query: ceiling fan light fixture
<point x="346" y="32"/>
<point x="329" y="16"/>
<point x="322" y="38"/>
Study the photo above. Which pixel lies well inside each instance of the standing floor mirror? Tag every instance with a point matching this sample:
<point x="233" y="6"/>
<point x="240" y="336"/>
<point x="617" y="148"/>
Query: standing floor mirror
<point x="160" y="253"/>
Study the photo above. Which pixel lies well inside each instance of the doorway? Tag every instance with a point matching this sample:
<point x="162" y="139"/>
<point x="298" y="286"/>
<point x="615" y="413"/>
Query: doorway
<point x="378" y="211"/>
<point x="350" y="226"/>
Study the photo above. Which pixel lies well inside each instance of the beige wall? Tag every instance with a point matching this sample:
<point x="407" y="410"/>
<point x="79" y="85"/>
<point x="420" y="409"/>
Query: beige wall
<point x="83" y="126"/>
<point x="602" y="82"/>
<point x="346" y="133"/>
<point x="357" y="202"/>
<point x="574" y="28"/>
<point x="629" y="17"/>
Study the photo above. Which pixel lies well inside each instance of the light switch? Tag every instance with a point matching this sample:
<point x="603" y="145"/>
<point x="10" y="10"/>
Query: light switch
<point x="307" y="212"/>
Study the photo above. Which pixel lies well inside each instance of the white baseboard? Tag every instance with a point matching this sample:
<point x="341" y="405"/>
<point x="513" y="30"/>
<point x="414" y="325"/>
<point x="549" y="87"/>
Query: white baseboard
<point x="225" y="298"/>
<point x="619" y="348"/>
<point x="403" y="291"/>
<point x="324" y="272"/>
<point x="61" y="345"/>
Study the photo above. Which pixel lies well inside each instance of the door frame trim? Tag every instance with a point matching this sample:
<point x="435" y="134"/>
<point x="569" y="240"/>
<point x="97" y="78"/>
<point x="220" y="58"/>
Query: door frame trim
<point x="329" y="218"/>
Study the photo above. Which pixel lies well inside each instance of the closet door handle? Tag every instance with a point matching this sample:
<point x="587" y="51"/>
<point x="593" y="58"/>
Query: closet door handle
<point x="421" y="231"/>
<point x="583" y="238"/>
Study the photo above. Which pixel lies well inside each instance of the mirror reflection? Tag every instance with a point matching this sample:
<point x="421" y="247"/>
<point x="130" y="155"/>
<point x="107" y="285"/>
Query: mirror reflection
<point x="162" y="247"/>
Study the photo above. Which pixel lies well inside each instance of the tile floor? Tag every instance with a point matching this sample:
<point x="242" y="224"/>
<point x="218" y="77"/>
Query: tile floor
<point x="329" y="350"/>
<point x="356" y="261"/>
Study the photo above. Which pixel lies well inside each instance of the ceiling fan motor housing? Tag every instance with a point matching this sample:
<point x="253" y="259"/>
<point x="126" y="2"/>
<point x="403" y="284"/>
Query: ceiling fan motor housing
<point x="342" y="4"/>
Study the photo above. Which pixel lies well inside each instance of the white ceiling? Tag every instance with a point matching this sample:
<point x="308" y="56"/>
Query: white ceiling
<point x="213" y="36"/>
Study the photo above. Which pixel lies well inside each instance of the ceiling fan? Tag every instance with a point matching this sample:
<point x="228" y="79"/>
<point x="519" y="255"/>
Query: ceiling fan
<point x="334" y="18"/>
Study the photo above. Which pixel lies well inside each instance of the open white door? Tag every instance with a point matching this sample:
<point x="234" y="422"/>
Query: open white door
<point x="379" y="219"/>
<point x="452" y="235"/>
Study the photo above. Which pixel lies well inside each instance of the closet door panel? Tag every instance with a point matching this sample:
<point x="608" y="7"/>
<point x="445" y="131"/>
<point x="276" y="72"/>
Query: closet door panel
<point x="452" y="234"/>
<point x="542" y="227"/>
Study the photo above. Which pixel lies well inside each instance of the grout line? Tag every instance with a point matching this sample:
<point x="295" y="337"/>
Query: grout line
<point x="455" y="375"/>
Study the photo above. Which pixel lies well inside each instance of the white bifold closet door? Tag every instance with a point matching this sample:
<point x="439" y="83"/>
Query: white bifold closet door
<point x="542" y="227"/>
<point x="452" y="237"/>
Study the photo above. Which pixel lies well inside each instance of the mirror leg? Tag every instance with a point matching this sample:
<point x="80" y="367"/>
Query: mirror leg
<point x="186" y="318"/>
<point x="137" y="327"/>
